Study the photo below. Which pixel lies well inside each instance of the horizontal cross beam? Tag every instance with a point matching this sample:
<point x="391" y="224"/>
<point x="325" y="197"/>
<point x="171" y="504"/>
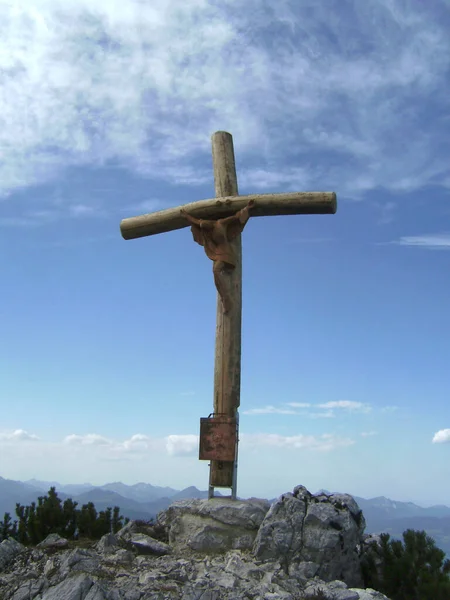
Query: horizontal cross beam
<point x="296" y="203"/>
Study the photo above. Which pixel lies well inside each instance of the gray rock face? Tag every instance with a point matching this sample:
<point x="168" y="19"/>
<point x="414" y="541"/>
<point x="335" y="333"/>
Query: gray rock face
<point x="9" y="549"/>
<point x="75" y="588"/>
<point x="139" y="539"/>
<point x="313" y="535"/>
<point x="53" y="541"/>
<point x="217" y="549"/>
<point x="214" y="525"/>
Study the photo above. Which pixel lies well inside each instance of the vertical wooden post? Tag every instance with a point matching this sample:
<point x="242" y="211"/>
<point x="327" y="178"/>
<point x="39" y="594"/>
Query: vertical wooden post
<point x="227" y="368"/>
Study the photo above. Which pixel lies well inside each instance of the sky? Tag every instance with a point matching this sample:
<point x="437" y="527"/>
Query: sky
<point x="107" y="346"/>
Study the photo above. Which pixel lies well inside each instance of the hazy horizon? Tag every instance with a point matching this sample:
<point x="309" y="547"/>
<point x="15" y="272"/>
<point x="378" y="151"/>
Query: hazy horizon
<point x="223" y="491"/>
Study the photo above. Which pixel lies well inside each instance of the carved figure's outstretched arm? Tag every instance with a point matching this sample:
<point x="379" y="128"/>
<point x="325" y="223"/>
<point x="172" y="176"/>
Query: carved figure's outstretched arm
<point x="242" y="216"/>
<point x="191" y="219"/>
<point x="204" y="224"/>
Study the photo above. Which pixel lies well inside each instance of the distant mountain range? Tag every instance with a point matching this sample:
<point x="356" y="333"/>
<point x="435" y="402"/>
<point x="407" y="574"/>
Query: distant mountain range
<point x="388" y="516"/>
<point x="144" y="501"/>
<point x="139" y="501"/>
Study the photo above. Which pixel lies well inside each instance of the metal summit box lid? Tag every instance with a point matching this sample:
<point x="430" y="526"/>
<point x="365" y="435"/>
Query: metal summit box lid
<point x="218" y="438"/>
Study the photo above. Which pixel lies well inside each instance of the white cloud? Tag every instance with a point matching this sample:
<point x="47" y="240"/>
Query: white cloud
<point x="328" y="414"/>
<point x="323" y="443"/>
<point x="138" y="442"/>
<point x="145" y="84"/>
<point x="91" y="439"/>
<point x="433" y="241"/>
<point x="368" y="433"/>
<point x="442" y="437"/>
<point x="19" y="435"/>
<point x="269" y="410"/>
<point x="347" y="405"/>
<point x="182" y="445"/>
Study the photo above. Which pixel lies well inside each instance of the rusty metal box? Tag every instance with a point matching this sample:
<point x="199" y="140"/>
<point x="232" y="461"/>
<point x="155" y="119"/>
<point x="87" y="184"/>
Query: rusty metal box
<point x="218" y="438"/>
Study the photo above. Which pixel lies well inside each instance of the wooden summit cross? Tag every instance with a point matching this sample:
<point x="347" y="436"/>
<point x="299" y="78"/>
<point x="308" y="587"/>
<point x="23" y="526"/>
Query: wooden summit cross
<point x="217" y="224"/>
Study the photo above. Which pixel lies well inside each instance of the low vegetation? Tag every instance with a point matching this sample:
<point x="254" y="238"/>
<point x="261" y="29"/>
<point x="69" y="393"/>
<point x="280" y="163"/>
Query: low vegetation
<point x="414" y="569"/>
<point x="50" y="515"/>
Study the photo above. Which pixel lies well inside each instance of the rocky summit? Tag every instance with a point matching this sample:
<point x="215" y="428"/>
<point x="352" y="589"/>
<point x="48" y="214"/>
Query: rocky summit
<point x="302" y="546"/>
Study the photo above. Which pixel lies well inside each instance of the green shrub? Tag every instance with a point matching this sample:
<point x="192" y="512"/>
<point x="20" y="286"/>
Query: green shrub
<point x="412" y="570"/>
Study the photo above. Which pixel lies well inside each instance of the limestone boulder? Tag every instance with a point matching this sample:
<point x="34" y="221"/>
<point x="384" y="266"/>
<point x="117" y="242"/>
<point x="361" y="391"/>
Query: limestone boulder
<point x="313" y="535"/>
<point x="214" y="525"/>
<point x="144" y="544"/>
<point x="9" y="549"/>
<point x="75" y="588"/>
<point x="138" y="537"/>
<point x="53" y="541"/>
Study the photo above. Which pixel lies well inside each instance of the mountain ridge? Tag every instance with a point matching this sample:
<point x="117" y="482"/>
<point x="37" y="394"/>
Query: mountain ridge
<point x="381" y="514"/>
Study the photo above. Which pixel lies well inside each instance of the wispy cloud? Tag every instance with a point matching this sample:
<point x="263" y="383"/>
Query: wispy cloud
<point x="91" y="439"/>
<point x="432" y="241"/>
<point x="105" y="448"/>
<point x="269" y="410"/>
<point x="18" y="435"/>
<point x="347" y="405"/>
<point x="135" y="444"/>
<point x="442" y="437"/>
<point x="326" y="409"/>
<point x="97" y="82"/>
<point x="368" y="433"/>
<point x="327" y="414"/>
<point x="323" y="443"/>
<point x="38" y="218"/>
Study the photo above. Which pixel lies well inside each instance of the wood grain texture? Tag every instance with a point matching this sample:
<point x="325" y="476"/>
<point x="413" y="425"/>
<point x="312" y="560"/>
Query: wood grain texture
<point x="267" y="205"/>
<point x="227" y="365"/>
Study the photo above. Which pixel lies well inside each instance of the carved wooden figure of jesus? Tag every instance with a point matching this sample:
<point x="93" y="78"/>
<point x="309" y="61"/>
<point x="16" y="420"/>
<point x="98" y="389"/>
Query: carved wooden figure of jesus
<point x="216" y="237"/>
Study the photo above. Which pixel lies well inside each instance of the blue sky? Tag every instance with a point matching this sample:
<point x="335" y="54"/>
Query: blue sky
<point x="107" y="346"/>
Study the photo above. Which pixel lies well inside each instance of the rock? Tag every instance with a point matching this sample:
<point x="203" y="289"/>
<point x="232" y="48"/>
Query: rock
<point x="96" y="592"/>
<point x="313" y="536"/>
<point x="53" y="541"/>
<point x="214" y="525"/>
<point x="218" y="550"/>
<point x="121" y="557"/>
<point x="144" y="544"/>
<point x="109" y="543"/>
<point x="29" y="590"/>
<point x="50" y="567"/>
<point x="74" y="588"/>
<point x="9" y="549"/>
<point x="335" y="590"/>
<point x="130" y="527"/>
<point x="369" y="594"/>
<point x="80" y="559"/>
